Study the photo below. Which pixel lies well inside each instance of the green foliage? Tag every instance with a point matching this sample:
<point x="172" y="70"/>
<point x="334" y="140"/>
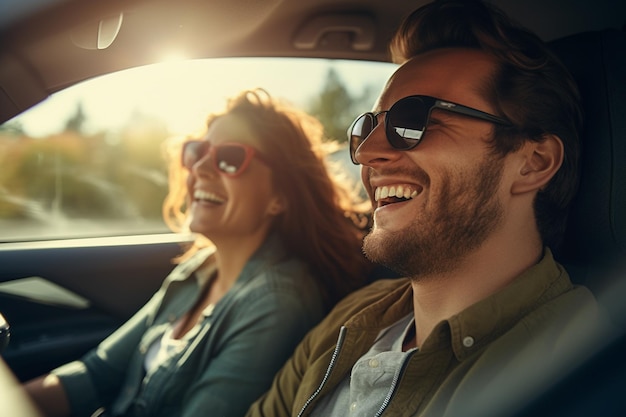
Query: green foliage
<point x="14" y="128"/>
<point x="74" y="174"/>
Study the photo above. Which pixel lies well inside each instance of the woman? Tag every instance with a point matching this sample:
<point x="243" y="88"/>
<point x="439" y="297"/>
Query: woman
<point x="278" y="245"/>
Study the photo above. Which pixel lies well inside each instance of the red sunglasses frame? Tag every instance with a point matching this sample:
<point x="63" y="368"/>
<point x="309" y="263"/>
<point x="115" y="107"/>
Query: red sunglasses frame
<point x="202" y="148"/>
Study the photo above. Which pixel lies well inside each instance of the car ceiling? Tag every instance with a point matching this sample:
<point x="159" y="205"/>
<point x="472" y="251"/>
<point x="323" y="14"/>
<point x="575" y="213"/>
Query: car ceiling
<point x="48" y="45"/>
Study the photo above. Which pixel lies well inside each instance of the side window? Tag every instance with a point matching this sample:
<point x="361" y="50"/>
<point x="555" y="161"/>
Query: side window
<point x="76" y="182"/>
<point x="89" y="162"/>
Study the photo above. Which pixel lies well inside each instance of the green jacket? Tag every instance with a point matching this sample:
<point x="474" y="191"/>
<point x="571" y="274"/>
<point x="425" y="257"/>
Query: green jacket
<point x="467" y="362"/>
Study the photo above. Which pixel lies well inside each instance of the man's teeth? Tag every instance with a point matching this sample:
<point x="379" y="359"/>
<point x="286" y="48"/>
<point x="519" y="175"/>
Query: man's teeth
<point x="398" y="191"/>
<point x="207" y="196"/>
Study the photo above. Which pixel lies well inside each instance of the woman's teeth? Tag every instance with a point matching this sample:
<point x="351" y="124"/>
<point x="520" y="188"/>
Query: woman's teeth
<point x="207" y="196"/>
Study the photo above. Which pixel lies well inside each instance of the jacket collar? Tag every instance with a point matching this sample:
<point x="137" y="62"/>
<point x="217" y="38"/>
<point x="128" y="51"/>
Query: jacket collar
<point x="271" y="251"/>
<point x="480" y="323"/>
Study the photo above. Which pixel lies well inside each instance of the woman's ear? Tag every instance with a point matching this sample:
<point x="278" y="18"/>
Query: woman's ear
<point x="276" y="206"/>
<point x="539" y="162"/>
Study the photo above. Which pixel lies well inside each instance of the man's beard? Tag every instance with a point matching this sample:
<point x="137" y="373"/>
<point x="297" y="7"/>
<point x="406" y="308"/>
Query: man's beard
<point x="438" y="240"/>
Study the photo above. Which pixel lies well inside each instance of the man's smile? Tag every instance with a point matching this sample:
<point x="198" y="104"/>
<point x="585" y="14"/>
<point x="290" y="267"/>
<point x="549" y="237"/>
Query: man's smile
<point x="395" y="193"/>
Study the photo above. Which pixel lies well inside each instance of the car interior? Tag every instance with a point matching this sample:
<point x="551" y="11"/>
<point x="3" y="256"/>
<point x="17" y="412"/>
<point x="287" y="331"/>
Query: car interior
<point x="50" y="45"/>
<point x="594" y="244"/>
<point x="594" y="247"/>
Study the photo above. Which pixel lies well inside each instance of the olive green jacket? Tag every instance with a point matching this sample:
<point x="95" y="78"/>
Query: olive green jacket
<point x="513" y="342"/>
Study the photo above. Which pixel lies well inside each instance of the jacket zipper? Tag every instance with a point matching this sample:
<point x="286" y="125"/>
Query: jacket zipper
<point x="394" y="384"/>
<point x="333" y="359"/>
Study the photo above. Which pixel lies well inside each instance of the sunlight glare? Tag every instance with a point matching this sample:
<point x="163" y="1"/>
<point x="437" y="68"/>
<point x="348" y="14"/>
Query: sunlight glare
<point x="181" y="92"/>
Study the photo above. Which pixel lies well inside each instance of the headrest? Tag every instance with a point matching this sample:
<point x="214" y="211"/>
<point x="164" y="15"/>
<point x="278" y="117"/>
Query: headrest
<point x="595" y="241"/>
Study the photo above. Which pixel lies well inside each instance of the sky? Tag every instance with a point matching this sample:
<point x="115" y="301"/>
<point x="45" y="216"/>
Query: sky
<point x="182" y="93"/>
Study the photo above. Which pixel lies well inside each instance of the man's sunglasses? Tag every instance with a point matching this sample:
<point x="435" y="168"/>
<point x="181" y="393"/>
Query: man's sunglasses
<point x="406" y="122"/>
<point x="230" y="159"/>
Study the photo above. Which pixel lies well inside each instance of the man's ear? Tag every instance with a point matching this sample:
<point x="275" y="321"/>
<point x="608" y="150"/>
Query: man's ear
<point x="539" y="162"/>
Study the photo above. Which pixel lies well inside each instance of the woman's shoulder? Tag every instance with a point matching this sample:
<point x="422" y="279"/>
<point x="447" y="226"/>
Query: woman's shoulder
<point x="285" y="284"/>
<point x="288" y="274"/>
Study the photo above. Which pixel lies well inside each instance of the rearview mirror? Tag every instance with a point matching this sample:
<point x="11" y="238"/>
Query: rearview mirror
<point x="99" y="34"/>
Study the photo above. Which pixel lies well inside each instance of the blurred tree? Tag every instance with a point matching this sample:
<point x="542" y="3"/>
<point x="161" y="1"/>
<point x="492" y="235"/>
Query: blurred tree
<point x="140" y="168"/>
<point x="76" y="122"/>
<point x="336" y="108"/>
<point x="14" y="128"/>
<point x="108" y="176"/>
<point x="332" y="106"/>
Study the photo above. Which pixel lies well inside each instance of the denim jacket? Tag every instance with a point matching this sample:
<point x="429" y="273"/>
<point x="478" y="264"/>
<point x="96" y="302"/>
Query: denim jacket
<point x="228" y="364"/>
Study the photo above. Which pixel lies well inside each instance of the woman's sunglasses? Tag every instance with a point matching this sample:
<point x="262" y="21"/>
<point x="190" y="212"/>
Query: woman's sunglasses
<point x="406" y="122"/>
<point x="230" y="159"/>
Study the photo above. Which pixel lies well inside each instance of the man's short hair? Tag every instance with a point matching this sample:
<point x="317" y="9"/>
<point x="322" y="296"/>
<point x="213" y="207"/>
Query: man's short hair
<point x="531" y="88"/>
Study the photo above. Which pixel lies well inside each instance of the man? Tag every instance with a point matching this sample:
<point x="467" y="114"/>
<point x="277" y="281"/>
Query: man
<point x="470" y="160"/>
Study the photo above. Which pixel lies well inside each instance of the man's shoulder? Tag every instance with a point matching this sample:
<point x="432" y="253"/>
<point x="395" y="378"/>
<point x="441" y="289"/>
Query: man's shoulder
<point x="571" y="307"/>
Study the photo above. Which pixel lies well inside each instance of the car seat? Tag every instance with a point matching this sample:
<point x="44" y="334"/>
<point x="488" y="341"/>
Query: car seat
<point x="594" y="248"/>
<point x="590" y="375"/>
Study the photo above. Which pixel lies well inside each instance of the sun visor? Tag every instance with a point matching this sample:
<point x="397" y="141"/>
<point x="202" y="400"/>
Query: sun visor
<point x="24" y="90"/>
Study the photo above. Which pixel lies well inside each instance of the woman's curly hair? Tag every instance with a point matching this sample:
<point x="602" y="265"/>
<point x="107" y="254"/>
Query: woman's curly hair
<point x="324" y="221"/>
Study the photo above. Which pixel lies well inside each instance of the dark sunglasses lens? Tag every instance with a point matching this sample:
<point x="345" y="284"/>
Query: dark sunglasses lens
<point x="192" y="152"/>
<point x="361" y="128"/>
<point x="406" y="122"/>
<point x="229" y="159"/>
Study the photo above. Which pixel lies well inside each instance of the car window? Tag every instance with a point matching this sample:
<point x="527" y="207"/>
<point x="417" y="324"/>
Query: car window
<point x="88" y="161"/>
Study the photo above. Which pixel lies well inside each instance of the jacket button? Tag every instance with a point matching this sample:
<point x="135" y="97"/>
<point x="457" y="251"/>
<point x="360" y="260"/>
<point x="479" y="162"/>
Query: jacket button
<point x="468" y="341"/>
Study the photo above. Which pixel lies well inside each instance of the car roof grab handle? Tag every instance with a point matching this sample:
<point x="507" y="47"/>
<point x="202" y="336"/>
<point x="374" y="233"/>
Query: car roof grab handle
<point x="360" y="28"/>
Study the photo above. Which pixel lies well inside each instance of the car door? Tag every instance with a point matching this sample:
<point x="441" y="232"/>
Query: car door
<point x="60" y="298"/>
